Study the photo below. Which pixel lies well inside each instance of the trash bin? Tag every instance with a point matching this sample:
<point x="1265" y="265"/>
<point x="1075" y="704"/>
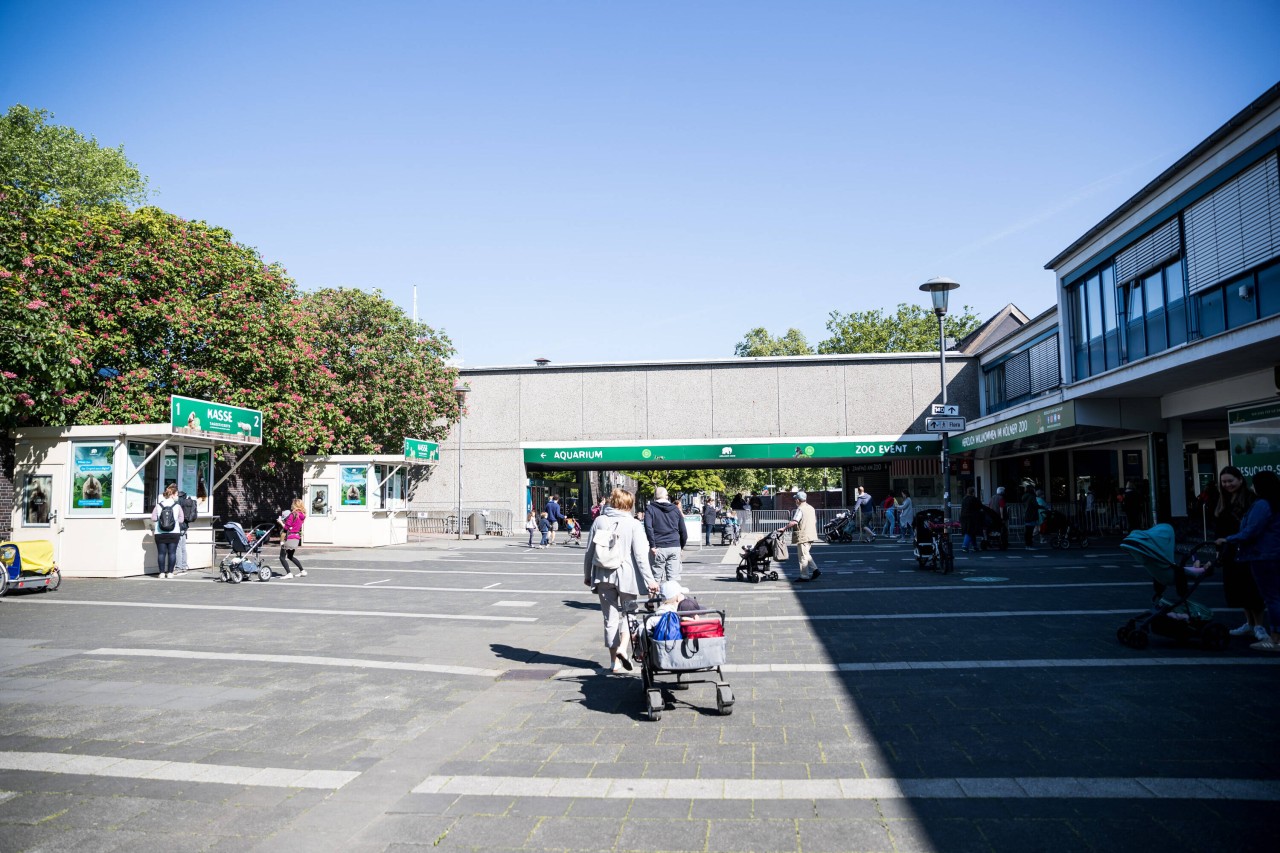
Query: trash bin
<point x="475" y="524"/>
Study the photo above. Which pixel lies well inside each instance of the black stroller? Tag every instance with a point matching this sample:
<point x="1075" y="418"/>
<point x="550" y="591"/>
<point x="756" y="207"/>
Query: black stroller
<point x="995" y="533"/>
<point x="1175" y="616"/>
<point x="244" y="561"/>
<point x="754" y="566"/>
<point x="839" y="528"/>
<point x="1059" y="532"/>
<point x="931" y="548"/>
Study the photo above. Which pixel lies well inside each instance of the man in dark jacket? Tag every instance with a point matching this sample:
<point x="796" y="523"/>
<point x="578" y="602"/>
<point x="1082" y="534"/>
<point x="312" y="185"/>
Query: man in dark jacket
<point x="708" y="520"/>
<point x="554" y="516"/>
<point x="664" y="527"/>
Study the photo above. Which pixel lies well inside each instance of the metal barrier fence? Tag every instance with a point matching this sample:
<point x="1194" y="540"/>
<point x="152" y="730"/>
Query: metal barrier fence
<point x="426" y="522"/>
<point x="1105" y="520"/>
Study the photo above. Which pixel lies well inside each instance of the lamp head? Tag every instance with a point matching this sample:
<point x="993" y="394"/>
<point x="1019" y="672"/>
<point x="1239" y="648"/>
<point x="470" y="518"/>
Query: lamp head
<point x="460" y="391"/>
<point x="938" y="289"/>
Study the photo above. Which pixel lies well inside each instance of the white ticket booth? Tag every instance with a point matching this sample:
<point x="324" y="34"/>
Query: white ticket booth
<point x="90" y="489"/>
<point x="361" y="500"/>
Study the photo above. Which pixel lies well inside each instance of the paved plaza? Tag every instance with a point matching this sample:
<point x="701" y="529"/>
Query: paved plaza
<point x="448" y="695"/>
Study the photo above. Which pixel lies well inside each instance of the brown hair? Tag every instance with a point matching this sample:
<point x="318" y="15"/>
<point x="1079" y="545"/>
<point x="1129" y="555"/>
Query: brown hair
<point x="170" y="490"/>
<point x="622" y="499"/>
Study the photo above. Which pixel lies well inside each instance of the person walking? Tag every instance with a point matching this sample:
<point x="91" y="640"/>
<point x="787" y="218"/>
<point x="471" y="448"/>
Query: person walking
<point x="291" y="539"/>
<point x="1258" y="543"/>
<point x="616" y="568"/>
<point x="554" y="517"/>
<point x="166" y="516"/>
<point x="531" y="524"/>
<point x="865" y="513"/>
<point x="1030" y="516"/>
<point x="804" y="522"/>
<point x="1238" y="586"/>
<point x="544" y="527"/>
<point x="665" y="530"/>
<point x="970" y="520"/>
<point x="888" y="508"/>
<point x="906" y="515"/>
<point x="742" y="510"/>
<point x="708" y="520"/>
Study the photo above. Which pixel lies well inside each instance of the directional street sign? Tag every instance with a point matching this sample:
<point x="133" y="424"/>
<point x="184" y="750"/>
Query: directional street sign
<point x="946" y="410"/>
<point x="944" y="424"/>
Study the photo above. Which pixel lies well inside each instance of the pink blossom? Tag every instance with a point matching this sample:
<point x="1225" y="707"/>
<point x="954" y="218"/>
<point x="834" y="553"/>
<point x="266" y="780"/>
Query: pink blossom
<point x="75" y="361"/>
<point x="7" y="375"/>
<point x="28" y="261"/>
<point x="37" y="303"/>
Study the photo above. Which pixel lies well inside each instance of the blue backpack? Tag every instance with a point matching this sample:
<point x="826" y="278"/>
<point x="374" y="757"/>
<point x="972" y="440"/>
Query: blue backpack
<point x="668" y="627"/>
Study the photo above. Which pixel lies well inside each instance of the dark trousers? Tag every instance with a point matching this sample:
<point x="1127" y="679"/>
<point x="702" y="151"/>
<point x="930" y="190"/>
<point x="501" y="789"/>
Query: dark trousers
<point x="287" y="553"/>
<point x="168" y="554"/>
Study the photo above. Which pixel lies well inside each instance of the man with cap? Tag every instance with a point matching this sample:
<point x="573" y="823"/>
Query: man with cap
<point x="805" y="522"/>
<point x="665" y="529"/>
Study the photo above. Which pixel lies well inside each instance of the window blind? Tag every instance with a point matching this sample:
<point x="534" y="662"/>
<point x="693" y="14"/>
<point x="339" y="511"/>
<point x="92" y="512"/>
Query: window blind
<point x="1234" y="228"/>
<point x="1149" y="252"/>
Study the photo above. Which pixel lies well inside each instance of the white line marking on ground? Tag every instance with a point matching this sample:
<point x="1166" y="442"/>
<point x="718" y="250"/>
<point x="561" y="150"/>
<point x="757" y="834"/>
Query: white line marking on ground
<point x="1105" y="788"/>
<point x="374" y="583"/>
<point x="949" y="665"/>
<point x="303" y="660"/>
<point x="492" y="585"/>
<point x="513" y="604"/>
<point x="176" y="771"/>
<point x="293" y="610"/>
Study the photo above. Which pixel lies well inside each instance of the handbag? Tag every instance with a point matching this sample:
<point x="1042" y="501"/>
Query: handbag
<point x="701" y="627"/>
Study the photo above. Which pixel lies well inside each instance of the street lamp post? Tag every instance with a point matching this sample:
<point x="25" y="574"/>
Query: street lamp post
<point x="939" y="289"/>
<point x="460" y="391"/>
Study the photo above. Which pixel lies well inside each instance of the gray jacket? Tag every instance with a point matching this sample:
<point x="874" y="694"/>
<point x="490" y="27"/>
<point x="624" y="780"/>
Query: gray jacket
<point x="634" y="575"/>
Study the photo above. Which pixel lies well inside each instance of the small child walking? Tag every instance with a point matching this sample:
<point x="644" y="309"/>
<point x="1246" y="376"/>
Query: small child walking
<point x="291" y="539"/>
<point x="544" y="526"/>
<point x="531" y="524"/>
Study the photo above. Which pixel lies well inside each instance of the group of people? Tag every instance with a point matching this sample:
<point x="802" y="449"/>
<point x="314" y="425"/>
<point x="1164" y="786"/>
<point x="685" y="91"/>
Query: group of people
<point x="1246" y="524"/>
<point x="171" y="520"/>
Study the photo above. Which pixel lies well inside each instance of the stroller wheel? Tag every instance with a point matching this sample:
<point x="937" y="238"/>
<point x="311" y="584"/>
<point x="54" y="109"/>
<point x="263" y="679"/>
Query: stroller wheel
<point x="1137" y="640"/>
<point x="1215" y="637"/>
<point x="773" y="576"/>
<point x="264" y="573"/>
<point x="753" y="577"/>
<point x="1123" y="632"/>
<point x="236" y="575"/>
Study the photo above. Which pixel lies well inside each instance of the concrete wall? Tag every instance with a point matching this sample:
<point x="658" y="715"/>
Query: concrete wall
<point x="723" y="399"/>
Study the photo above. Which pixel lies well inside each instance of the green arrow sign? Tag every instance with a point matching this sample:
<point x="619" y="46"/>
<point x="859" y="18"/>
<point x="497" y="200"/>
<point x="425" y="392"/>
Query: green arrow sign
<point x="821" y="452"/>
<point x="421" y="451"/>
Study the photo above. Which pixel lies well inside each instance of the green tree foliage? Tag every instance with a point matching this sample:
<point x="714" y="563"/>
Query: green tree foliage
<point x="48" y="164"/>
<point x="758" y="342"/>
<point x="107" y="312"/>
<point x="911" y="328"/>
<point x="677" y="482"/>
<point x="748" y="480"/>
<point x="390" y="377"/>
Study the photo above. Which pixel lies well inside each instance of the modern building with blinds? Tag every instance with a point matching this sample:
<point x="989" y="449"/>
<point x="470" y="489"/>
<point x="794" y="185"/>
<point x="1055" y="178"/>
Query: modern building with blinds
<point x="1168" y="330"/>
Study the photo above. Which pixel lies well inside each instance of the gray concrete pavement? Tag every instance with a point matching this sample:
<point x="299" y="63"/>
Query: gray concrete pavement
<point x="447" y="695"/>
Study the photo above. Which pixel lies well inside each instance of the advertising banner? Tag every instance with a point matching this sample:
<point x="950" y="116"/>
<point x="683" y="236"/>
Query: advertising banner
<point x="204" y="419"/>
<point x="354" y="486"/>
<point x="1032" y="423"/>
<point x="1255" y="438"/>
<point x="92" y="465"/>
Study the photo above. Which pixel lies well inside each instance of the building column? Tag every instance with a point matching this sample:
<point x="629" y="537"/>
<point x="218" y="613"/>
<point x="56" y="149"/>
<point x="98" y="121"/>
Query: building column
<point x="1174" y="459"/>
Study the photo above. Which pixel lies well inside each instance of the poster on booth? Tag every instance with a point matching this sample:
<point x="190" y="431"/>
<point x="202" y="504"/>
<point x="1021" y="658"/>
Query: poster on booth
<point x="91" y="469"/>
<point x="354" y="488"/>
<point x="1255" y="438"/>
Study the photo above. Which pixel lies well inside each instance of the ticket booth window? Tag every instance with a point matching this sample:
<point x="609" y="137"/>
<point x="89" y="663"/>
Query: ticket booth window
<point x="391" y="493"/>
<point x="140" y="491"/>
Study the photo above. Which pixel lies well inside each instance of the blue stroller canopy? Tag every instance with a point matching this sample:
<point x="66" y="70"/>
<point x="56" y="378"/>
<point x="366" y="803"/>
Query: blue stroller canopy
<point x="1154" y="551"/>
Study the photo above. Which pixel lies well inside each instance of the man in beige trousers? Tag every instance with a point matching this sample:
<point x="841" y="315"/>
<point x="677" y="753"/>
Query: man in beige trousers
<point x="805" y="522"/>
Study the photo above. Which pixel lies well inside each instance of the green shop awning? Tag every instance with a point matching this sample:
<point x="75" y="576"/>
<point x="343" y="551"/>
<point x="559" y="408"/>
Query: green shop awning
<point x="1032" y="423"/>
<point x="730" y="453"/>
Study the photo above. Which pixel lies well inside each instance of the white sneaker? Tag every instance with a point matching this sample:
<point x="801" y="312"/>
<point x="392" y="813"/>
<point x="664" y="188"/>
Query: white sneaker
<point x="1261" y="633"/>
<point x="302" y="574"/>
<point x="1243" y="631"/>
<point x="288" y="576"/>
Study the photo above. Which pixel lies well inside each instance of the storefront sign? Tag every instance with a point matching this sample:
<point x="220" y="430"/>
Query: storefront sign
<point x="215" y="420"/>
<point x="1255" y="438"/>
<point x="1032" y="423"/>
<point x="824" y="452"/>
<point x="421" y="451"/>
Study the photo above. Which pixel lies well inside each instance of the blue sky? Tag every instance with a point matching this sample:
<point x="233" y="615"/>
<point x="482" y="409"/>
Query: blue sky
<point x="596" y="181"/>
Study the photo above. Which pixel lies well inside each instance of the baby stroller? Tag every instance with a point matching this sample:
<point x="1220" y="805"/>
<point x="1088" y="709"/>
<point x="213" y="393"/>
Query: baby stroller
<point x="1174" y="616"/>
<point x="730" y="532"/>
<point x="754" y="566"/>
<point x="995" y="533"/>
<point x="840" y="528"/>
<point x="244" y="561"/>
<point x="930" y="549"/>
<point x="1061" y="533"/>
<point x="699" y="650"/>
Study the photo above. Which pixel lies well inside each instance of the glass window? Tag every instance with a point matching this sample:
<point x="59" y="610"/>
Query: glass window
<point x="1269" y="290"/>
<point x="1240" y="309"/>
<point x="1153" y="290"/>
<point x="140" y="491"/>
<point x="37" y="501"/>
<point x="170" y="466"/>
<point x="1109" y="317"/>
<point x="1135" y="332"/>
<point x="1211" y="319"/>
<point x="1081" y="335"/>
<point x="1176" y="291"/>
<point x="197" y="470"/>
<point x="1097" y="354"/>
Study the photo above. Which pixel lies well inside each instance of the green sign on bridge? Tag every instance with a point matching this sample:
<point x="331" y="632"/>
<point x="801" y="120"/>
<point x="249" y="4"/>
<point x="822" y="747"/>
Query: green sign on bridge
<point x="730" y="452"/>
